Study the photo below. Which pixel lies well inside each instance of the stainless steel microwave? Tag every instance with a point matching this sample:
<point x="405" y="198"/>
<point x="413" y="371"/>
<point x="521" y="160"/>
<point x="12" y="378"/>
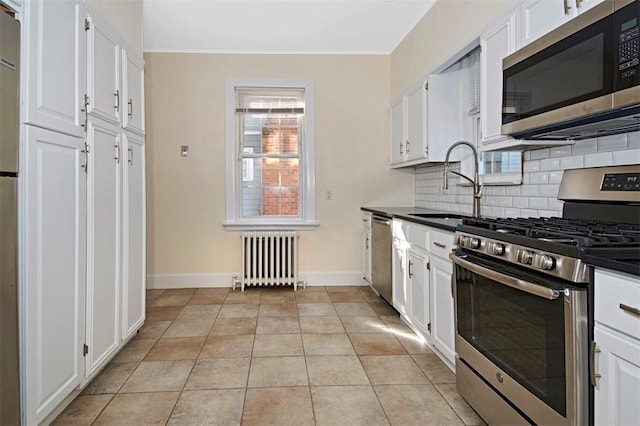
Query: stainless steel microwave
<point x="581" y="80"/>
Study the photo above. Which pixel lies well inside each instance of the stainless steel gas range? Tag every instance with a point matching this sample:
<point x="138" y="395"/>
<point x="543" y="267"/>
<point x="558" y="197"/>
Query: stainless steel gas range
<point x="524" y="299"/>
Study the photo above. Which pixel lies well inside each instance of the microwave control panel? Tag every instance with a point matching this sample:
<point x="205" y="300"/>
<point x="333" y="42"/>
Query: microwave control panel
<point x="628" y="44"/>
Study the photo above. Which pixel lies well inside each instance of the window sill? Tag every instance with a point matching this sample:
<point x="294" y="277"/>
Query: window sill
<point x="234" y="226"/>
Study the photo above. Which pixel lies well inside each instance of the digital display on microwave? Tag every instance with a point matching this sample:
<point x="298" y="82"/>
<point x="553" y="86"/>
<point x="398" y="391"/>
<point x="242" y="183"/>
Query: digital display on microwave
<point x="629" y="24"/>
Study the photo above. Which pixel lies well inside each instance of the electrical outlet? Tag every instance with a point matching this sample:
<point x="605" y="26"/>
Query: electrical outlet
<point x="184" y="150"/>
<point x="328" y="195"/>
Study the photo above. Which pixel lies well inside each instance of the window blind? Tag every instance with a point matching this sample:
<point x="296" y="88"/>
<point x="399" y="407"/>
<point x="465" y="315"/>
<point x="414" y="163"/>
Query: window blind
<point x="471" y="65"/>
<point x="264" y="101"/>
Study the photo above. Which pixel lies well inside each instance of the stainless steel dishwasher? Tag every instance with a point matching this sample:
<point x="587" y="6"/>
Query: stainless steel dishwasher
<point x="381" y="246"/>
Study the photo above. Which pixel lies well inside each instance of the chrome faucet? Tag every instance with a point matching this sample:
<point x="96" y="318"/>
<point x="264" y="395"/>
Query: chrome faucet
<point x="477" y="187"/>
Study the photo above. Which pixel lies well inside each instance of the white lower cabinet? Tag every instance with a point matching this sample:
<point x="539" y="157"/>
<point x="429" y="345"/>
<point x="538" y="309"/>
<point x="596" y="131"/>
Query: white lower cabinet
<point x="443" y="326"/>
<point x="104" y="254"/>
<point x="617" y="337"/>
<point x="418" y="284"/>
<point x="53" y="282"/>
<point x="422" y="284"/>
<point x="133" y="236"/>
<point x="399" y="273"/>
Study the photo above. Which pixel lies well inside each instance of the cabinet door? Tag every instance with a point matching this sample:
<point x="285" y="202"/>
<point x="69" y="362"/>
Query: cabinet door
<point x="418" y="296"/>
<point x="445" y="113"/>
<point x="54" y="269"/>
<point x="103" y="71"/>
<point x="617" y="390"/>
<point x="133" y="93"/>
<point x="538" y="17"/>
<point x="397" y="133"/>
<point x="54" y="62"/>
<point x="416" y="143"/>
<point x="133" y="232"/>
<point x="103" y="277"/>
<point x="399" y="272"/>
<point x="495" y="45"/>
<point x="443" y="328"/>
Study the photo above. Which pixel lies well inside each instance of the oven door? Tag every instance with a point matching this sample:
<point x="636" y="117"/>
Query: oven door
<point x="525" y="335"/>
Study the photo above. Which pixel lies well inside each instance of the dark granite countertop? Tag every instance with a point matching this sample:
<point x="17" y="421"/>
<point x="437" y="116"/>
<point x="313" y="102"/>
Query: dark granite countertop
<point x="628" y="266"/>
<point x="429" y="217"/>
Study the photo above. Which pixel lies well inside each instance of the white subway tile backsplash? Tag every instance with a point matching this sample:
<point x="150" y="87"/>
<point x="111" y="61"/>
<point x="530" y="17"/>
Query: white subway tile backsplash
<point x="612" y="143"/>
<point x="543" y="170"/>
<point x="560" y="151"/>
<point x="550" y="164"/>
<point x="599" y="159"/>
<point x="573" y="162"/>
<point x="531" y="166"/>
<point x="511" y="212"/>
<point x="540" y="153"/>
<point x="512" y="190"/>
<point x="555" y="177"/>
<point x="522" y="202"/>
<point x="538" y="202"/>
<point x="539" y="178"/>
<point x="587" y="146"/>
<point x="628" y="156"/>
<point x="548" y="190"/>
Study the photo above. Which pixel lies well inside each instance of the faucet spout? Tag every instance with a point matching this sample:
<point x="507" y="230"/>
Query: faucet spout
<point x="477" y="187"/>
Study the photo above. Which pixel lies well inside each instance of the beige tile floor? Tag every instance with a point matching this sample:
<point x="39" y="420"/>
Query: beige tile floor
<point x="269" y="356"/>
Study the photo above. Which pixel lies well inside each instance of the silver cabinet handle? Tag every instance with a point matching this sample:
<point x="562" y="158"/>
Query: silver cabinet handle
<point x="401" y="151"/>
<point x="130" y="103"/>
<point x="630" y="309"/>
<point x="593" y="350"/>
<point x="407" y="146"/>
<point x="130" y="155"/>
<point x="117" y="157"/>
<point x="437" y="244"/>
<point x="86" y="157"/>
<point x="410" y="269"/>
<point x="567" y="6"/>
<point x="117" y="96"/>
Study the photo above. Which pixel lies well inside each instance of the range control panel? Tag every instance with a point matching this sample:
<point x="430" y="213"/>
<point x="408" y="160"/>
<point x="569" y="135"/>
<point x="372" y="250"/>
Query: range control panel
<point x="621" y="182"/>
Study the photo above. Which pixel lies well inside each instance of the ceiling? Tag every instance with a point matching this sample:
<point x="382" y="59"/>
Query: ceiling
<point x="272" y="26"/>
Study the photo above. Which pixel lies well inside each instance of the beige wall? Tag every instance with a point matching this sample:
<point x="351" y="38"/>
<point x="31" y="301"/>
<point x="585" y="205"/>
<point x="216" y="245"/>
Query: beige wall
<point x="186" y="196"/>
<point x="448" y="27"/>
<point x="126" y="18"/>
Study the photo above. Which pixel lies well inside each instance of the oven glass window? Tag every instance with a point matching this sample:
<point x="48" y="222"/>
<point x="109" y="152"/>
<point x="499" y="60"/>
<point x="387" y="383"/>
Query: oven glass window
<point x="521" y="333"/>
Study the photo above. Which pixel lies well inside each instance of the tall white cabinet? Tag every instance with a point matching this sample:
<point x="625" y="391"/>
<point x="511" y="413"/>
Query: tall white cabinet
<point x="83" y="199"/>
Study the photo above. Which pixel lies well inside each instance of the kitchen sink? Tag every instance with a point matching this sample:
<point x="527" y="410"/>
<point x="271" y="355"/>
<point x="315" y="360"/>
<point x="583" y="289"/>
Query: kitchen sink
<point x="440" y="215"/>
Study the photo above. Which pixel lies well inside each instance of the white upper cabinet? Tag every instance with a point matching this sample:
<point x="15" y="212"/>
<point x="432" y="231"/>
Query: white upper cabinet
<point x="397" y="115"/>
<point x="444" y="126"/>
<point x="541" y="16"/>
<point x="416" y="142"/>
<point x="104" y="93"/>
<point x="409" y="128"/>
<point x="54" y="65"/>
<point x="133" y="93"/>
<point x="495" y="44"/>
<point x="115" y="78"/>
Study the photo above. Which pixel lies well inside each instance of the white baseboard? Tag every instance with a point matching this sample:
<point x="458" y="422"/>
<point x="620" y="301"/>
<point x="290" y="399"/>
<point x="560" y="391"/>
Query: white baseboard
<point x="224" y="279"/>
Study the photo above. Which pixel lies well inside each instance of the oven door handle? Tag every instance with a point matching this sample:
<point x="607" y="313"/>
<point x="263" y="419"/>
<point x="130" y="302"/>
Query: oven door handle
<point x="516" y="283"/>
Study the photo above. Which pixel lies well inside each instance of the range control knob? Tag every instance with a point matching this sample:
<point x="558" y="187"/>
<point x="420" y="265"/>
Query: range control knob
<point x="470" y="242"/>
<point x="524" y="256"/>
<point x="496" y="249"/>
<point x="543" y="261"/>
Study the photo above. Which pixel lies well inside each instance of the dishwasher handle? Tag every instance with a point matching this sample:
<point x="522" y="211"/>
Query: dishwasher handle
<point x="381" y="221"/>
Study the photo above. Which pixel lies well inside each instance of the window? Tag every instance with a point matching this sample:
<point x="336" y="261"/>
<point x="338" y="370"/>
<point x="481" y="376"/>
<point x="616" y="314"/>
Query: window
<point x="269" y="143"/>
<point x="496" y="167"/>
